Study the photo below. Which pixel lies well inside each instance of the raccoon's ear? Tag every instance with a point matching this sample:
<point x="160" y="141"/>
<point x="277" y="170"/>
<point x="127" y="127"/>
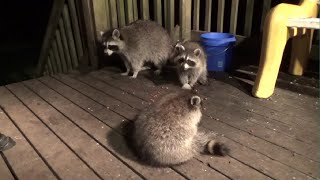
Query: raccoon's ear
<point x="179" y="47"/>
<point x="197" y="52"/>
<point x="195" y="100"/>
<point x="116" y="33"/>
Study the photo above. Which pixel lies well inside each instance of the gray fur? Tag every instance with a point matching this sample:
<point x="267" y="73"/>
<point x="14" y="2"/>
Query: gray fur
<point x="167" y="132"/>
<point x="140" y="42"/>
<point x="193" y="51"/>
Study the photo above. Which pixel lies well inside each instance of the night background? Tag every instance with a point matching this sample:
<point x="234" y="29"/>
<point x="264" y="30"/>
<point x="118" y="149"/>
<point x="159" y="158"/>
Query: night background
<point x="22" y="28"/>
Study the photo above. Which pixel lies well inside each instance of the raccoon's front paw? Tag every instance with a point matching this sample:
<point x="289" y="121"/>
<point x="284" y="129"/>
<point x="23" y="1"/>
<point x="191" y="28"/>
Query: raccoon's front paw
<point x="203" y="82"/>
<point x="132" y="77"/>
<point x="186" y="86"/>
<point x="125" y="74"/>
<point x="157" y="72"/>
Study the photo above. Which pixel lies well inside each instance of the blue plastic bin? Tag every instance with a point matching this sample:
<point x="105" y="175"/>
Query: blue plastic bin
<point x="219" y="47"/>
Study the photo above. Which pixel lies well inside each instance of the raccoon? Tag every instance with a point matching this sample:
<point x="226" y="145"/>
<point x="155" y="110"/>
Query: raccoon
<point x="167" y="133"/>
<point x="140" y="42"/>
<point x="191" y="62"/>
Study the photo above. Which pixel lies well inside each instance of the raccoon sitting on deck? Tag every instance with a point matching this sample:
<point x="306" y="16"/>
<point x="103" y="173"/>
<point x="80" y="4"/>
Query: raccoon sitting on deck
<point x="191" y="62"/>
<point x="167" y="133"/>
<point x="140" y="42"/>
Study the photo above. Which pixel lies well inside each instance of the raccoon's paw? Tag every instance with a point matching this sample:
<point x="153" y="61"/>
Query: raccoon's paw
<point x="203" y="82"/>
<point x="157" y="72"/>
<point x="135" y="74"/>
<point x="145" y="68"/>
<point x="217" y="148"/>
<point x="186" y="86"/>
<point x="124" y="74"/>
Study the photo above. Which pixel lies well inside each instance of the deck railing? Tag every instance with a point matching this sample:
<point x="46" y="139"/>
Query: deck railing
<point x="63" y="44"/>
<point x="117" y="13"/>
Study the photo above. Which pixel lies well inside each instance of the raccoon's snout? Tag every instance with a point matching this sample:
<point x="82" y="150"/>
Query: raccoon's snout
<point x="186" y="66"/>
<point x="108" y="52"/>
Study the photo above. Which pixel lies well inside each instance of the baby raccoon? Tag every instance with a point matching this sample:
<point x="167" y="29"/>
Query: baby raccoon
<point x="191" y="61"/>
<point x="167" y="133"/>
<point x="138" y="43"/>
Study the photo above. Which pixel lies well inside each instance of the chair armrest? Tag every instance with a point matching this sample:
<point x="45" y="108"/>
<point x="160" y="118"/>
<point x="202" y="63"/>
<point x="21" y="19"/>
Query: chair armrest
<point x="309" y="23"/>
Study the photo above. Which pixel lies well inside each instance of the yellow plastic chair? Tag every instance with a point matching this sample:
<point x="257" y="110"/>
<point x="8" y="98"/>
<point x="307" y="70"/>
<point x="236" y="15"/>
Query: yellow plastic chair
<point x="276" y="33"/>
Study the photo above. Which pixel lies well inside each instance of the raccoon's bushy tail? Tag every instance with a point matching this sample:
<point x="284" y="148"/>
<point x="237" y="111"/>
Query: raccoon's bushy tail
<point x="217" y="148"/>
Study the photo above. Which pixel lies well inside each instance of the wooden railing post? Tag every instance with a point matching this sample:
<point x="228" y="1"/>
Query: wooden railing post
<point x="158" y="11"/>
<point x="207" y="19"/>
<point x="121" y="13"/>
<point x="129" y="11"/>
<point x="169" y="15"/>
<point x="100" y="16"/>
<point x="196" y="14"/>
<point x="265" y="9"/>
<point x="57" y="8"/>
<point x="71" y="43"/>
<point x="248" y="17"/>
<point x="234" y="16"/>
<point x="61" y="52"/>
<point x="65" y="44"/>
<point x="144" y="9"/>
<point x="185" y="19"/>
<point x="90" y="50"/>
<point x="113" y="13"/>
<point x="75" y="27"/>
<point x="221" y="4"/>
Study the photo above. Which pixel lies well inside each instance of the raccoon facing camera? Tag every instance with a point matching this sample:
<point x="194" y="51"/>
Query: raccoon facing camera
<point x="167" y="133"/>
<point x="138" y="43"/>
<point x="191" y="62"/>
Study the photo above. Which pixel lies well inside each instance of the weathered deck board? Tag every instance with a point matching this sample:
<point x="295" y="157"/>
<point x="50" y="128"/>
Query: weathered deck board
<point x="181" y="169"/>
<point x="60" y="158"/>
<point x="301" y="103"/>
<point x="104" y="88"/>
<point x="251" y="112"/>
<point x="275" y="111"/>
<point x="81" y="143"/>
<point x="185" y="171"/>
<point x="90" y="112"/>
<point x="23" y="159"/>
<point x="82" y="117"/>
<point x="261" y="115"/>
<point x="146" y="95"/>
<point x="5" y="171"/>
<point x="272" y="126"/>
<point x="243" y="136"/>
<point x="104" y="99"/>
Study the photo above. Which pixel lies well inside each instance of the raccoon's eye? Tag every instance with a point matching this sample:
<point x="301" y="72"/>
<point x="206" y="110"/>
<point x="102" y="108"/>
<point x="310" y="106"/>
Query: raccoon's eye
<point x="113" y="47"/>
<point x="181" y="60"/>
<point x="191" y="63"/>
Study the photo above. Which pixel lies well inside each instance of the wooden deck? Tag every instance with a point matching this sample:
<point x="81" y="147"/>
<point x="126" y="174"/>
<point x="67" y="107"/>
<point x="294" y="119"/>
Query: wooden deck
<point x="70" y="127"/>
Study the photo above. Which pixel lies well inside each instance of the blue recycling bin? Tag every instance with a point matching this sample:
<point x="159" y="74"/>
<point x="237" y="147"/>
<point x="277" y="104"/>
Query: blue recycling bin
<point x="218" y="47"/>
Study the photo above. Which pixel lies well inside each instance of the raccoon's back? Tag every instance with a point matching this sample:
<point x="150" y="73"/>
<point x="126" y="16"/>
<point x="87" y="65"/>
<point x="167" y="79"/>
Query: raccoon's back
<point x="161" y="131"/>
<point x="147" y="37"/>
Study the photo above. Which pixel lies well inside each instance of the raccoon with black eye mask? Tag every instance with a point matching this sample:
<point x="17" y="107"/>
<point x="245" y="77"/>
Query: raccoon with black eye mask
<point x="191" y="63"/>
<point x="138" y="43"/>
